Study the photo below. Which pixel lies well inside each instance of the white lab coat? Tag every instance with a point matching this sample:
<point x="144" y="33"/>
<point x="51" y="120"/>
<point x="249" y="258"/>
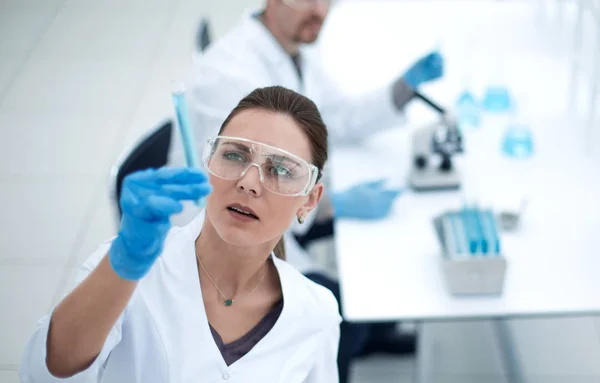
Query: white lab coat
<point x="163" y="336"/>
<point x="249" y="57"/>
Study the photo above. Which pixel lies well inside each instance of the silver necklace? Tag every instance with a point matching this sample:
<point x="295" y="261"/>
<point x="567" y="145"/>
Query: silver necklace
<point x="229" y="301"/>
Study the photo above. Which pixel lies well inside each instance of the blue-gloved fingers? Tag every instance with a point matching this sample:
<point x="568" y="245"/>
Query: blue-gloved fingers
<point x="168" y="175"/>
<point x="437" y="69"/>
<point x="134" y="191"/>
<point x="177" y="184"/>
<point x="427" y="68"/>
<point x="190" y="192"/>
<point x="435" y="62"/>
<point x="151" y="207"/>
<point x="181" y="175"/>
<point x="162" y="207"/>
<point x="129" y="199"/>
<point x="433" y="55"/>
<point x="137" y="239"/>
<point x="437" y="59"/>
<point x="430" y="58"/>
<point x="377" y="184"/>
<point x="392" y="193"/>
<point x="148" y="199"/>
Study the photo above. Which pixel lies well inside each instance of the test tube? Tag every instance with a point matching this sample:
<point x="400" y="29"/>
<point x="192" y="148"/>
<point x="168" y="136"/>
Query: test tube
<point x="470" y="228"/>
<point x="447" y="235"/>
<point x="494" y="238"/>
<point x="481" y="242"/>
<point x="186" y="134"/>
<point x="491" y="236"/>
<point x="458" y="234"/>
<point x="483" y="232"/>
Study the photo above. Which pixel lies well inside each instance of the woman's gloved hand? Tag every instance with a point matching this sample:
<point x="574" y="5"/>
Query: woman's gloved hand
<point x="148" y="199"/>
<point x="427" y="68"/>
<point x="370" y="200"/>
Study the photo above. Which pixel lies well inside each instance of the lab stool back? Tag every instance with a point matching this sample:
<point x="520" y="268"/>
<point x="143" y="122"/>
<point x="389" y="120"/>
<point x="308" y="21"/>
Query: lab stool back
<point x="151" y="151"/>
<point x="204" y="37"/>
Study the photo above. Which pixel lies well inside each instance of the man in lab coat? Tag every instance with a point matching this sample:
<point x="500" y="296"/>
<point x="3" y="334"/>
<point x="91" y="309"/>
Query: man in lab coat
<point x="269" y="48"/>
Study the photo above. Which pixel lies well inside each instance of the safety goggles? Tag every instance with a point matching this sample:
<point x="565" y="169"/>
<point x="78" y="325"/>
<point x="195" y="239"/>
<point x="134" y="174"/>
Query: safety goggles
<point x="306" y="4"/>
<point x="279" y="171"/>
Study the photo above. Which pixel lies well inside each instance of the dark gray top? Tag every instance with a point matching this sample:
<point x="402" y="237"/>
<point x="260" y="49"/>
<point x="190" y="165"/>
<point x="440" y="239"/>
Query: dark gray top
<point x="233" y="351"/>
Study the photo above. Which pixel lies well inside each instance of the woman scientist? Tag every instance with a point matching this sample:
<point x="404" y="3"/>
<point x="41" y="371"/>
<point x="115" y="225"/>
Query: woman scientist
<point x="210" y="301"/>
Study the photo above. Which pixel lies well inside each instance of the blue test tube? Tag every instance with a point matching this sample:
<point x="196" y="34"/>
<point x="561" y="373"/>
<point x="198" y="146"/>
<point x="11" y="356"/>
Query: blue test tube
<point x="454" y="245"/>
<point x="493" y="232"/>
<point x="487" y="233"/>
<point x="470" y="228"/>
<point x="476" y="228"/>
<point x="482" y="243"/>
<point x="187" y="137"/>
<point x="457" y="234"/>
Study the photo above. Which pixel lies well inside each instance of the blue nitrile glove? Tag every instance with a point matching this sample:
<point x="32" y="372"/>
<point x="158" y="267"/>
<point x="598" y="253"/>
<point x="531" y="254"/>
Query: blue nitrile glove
<point x="427" y="68"/>
<point x="148" y="199"/>
<point x="370" y="200"/>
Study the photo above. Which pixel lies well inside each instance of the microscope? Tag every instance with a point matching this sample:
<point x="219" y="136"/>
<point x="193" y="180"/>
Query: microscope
<point x="433" y="147"/>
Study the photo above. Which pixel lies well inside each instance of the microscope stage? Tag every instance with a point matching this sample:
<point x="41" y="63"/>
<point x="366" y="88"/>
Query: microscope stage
<point x="433" y="179"/>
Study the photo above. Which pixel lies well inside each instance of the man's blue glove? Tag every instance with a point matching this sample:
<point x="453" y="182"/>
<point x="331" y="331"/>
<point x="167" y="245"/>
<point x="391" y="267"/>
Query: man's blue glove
<point x="148" y="199"/>
<point x="364" y="201"/>
<point x="427" y="68"/>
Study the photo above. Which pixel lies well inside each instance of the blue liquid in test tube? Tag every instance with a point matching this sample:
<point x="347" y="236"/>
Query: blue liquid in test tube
<point x="494" y="239"/>
<point x="470" y="230"/>
<point x="187" y="137"/>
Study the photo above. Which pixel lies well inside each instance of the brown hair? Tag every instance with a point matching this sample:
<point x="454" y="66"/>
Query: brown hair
<point x="302" y="110"/>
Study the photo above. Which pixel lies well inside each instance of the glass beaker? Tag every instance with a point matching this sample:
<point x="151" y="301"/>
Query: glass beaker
<point x="468" y="111"/>
<point x="517" y="141"/>
<point x="497" y="99"/>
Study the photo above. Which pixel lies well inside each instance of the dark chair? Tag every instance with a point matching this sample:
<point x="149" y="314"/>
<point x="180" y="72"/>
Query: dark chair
<point x="152" y="151"/>
<point x="204" y="37"/>
<point x="318" y="230"/>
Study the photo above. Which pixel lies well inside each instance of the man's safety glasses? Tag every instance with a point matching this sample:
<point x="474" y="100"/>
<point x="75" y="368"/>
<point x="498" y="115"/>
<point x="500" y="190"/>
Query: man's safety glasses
<point x="306" y="4"/>
<point x="279" y="171"/>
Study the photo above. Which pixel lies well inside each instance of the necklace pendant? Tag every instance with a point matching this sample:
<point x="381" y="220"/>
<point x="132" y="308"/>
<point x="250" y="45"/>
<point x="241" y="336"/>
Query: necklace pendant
<point x="228" y="302"/>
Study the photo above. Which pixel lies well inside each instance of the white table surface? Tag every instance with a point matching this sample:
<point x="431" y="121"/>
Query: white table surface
<point x="391" y="269"/>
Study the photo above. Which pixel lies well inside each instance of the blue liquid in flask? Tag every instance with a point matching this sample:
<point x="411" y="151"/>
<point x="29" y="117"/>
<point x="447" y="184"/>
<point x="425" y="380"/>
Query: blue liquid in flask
<point x="469" y="114"/>
<point x="518" y="142"/>
<point x="497" y="99"/>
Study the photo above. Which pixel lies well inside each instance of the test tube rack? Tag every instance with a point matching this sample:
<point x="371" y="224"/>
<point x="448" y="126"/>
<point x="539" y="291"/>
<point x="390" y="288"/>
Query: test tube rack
<point x="472" y="260"/>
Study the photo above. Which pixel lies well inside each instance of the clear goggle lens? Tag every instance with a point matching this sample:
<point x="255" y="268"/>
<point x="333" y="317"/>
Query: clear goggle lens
<point x="280" y="172"/>
<point x="305" y="4"/>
